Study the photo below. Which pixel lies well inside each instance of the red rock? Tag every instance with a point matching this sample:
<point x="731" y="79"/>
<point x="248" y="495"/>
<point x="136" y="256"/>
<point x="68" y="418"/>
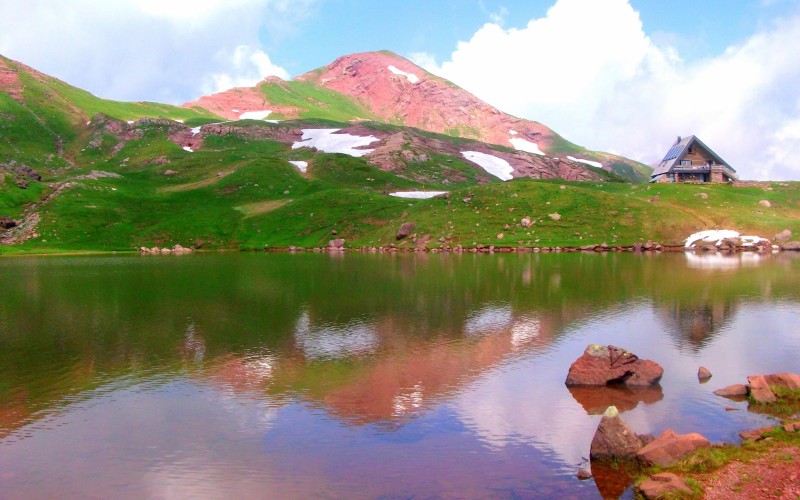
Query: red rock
<point x="759" y="389"/>
<point x="662" y="485"/>
<point x="786" y="380"/>
<point x="703" y="374"/>
<point x="603" y="365"/>
<point x="755" y="434"/>
<point x="792" y="427"/>
<point x="732" y="391"/>
<point x="670" y="447"/>
<point x="613" y="438"/>
<point x="584" y="474"/>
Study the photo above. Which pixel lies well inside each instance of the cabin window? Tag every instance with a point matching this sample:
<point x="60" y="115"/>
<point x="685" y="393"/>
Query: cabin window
<point x="686" y="163"/>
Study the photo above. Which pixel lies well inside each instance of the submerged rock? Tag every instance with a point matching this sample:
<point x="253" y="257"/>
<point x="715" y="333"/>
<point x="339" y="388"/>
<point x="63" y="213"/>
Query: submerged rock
<point x="604" y="365"/>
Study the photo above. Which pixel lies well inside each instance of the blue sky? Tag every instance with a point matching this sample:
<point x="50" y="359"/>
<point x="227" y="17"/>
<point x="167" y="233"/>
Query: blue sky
<point x="624" y="76"/>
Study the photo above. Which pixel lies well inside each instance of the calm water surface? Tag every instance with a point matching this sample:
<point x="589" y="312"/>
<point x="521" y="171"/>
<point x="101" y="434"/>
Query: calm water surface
<point x="363" y="376"/>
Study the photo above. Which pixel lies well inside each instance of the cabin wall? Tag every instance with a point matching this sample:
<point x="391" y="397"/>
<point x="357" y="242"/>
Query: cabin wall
<point x="697" y="157"/>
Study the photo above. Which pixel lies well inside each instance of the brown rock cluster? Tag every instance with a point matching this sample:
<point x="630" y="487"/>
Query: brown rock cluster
<point x="759" y="387"/>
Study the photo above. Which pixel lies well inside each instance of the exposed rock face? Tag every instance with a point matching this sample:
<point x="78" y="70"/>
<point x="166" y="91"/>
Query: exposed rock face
<point x="603" y="365"/>
<point x="783" y="236"/>
<point x="231" y="103"/>
<point x="759" y="389"/>
<point x="405" y="230"/>
<point x="613" y="438"/>
<point x="786" y="380"/>
<point x="670" y="447"/>
<point x="662" y="485"/>
<point x="7" y="223"/>
<point x="733" y="391"/>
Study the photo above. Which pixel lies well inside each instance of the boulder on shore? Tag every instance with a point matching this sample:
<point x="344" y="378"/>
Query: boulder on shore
<point x="614" y="439"/>
<point x="604" y="365"/>
<point x="405" y="229"/>
<point x="760" y="390"/>
<point x="670" y="447"/>
<point x="663" y="484"/>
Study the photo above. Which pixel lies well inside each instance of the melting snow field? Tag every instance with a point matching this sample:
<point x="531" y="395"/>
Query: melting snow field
<point x="255" y="115"/>
<point x="498" y="167"/>
<point x="196" y="130"/>
<point x="301" y="165"/>
<point x="587" y="162"/>
<point x="328" y="141"/>
<point x="717" y="235"/>
<point x="524" y="145"/>
<point x="418" y="195"/>
<point x="187" y="148"/>
<point x="410" y="76"/>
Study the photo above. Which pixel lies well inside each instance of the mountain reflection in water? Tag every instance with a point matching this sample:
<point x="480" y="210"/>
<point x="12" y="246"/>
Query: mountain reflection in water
<point x="363" y="375"/>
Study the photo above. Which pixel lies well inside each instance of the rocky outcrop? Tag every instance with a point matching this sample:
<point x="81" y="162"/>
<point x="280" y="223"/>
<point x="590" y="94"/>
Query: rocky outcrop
<point x="791" y="246"/>
<point x="759" y="389"/>
<point x="606" y="365"/>
<point x="336" y="244"/>
<point x="663" y="485"/>
<point x="614" y="439"/>
<point x="670" y="447"/>
<point x="783" y="237"/>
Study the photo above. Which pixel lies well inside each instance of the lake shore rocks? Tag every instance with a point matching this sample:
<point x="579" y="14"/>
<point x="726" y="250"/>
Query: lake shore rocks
<point x="760" y="387"/>
<point x="614" y="439"/>
<point x="670" y="447"/>
<point x="703" y="374"/>
<point x="607" y="365"/>
<point x="664" y="485"/>
<point x="175" y="250"/>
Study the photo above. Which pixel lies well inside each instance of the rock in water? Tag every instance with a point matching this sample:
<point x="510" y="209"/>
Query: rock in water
<point x="670" y="447"/>
<point x="703" y="374"/>
<point x="732" y="391"/>
<point x="613" y="438"/>
<point x="603" y="365"/>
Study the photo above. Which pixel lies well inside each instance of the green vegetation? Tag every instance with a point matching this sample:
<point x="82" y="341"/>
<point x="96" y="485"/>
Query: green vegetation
<point x="788" y="403"/>
<point x="314" y="101"/>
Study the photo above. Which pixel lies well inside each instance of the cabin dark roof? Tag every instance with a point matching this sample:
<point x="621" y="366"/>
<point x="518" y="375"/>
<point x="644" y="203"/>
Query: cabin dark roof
<point x="679" y="150"/>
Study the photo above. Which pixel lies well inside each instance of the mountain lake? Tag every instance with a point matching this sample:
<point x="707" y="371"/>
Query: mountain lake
<point x="347" y="375"/>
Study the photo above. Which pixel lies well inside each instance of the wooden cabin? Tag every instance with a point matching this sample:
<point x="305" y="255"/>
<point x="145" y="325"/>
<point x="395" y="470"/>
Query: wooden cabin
<point x="689" y="160"/>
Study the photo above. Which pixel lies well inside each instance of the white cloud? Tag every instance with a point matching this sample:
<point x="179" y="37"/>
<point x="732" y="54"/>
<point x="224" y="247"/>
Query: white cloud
<point x="245" y="66"/>
<point x="168" y="51"/>
<point x="588" y="70"/>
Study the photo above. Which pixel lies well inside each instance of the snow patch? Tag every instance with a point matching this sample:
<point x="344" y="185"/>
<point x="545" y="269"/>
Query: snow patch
<point x="255" y="115"/>
<point x="417" y="195"/>
<point x="234" y="111"/>
<point x="525" y="145"/>
<point x="328" y="141"/>
<point x="179" y="120"/>
<point x="716" y="236"/>
<point x="587" y="162"/>
<point x="512" y="132"/>
<point x="187" y="148"/>
<point x="130" y="122"/>
<point x="410" y="76"/>
<point x="498" y="167"/>
<point x="196" y="130"/>
<point x="301" y="165"/>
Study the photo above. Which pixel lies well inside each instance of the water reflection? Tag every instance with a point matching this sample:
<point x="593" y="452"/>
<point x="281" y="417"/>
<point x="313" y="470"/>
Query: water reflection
<point x="330" y="366"/>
